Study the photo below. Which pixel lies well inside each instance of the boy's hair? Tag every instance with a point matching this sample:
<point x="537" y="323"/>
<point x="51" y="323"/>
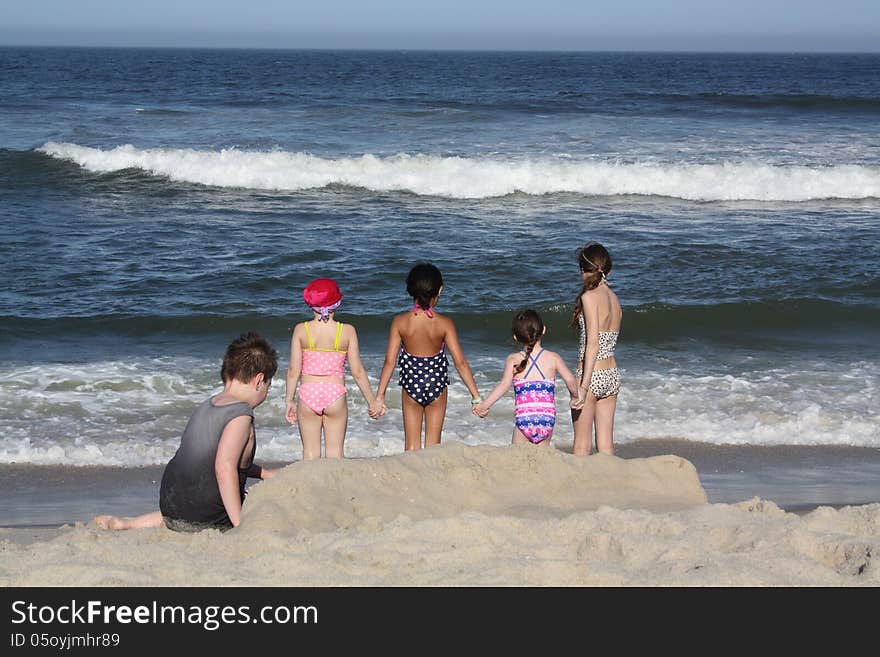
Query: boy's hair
<point x="528" y="327"/>
<point x="248" y="355"/>
<point x="423" y="283"/>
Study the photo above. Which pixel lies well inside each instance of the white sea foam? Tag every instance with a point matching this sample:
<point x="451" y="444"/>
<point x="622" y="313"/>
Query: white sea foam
<point x="132" y="413"/>
<point x="816" y="404"/>
<point x="482" y="177"/>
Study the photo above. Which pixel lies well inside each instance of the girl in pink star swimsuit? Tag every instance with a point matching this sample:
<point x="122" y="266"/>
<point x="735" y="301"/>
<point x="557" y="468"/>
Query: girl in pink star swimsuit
<point x="532" y="373"/>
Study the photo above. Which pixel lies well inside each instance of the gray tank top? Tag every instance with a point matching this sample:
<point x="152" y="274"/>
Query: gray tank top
<point x="189" y="490"/>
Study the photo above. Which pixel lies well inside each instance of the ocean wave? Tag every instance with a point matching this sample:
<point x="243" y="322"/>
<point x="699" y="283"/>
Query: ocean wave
<point x="481" y="177"/>
<point x="770" y="317"/>
<point x="643" y="323"/>
<point x="797" y="102"/>
<point x="159" y="111"/>
<point x="130" y="412"/>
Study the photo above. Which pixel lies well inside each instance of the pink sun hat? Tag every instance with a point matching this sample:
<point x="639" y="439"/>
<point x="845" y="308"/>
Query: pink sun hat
<point x="322" y="292"/>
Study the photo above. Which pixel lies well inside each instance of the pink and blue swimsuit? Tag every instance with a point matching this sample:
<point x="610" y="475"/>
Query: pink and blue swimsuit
<point x="535" y="404"/>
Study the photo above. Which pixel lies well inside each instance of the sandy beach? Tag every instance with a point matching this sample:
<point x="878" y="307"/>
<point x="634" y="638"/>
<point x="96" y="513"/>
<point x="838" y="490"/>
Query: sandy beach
<point x="158" y="202"/>
<point x="461" y="515"/>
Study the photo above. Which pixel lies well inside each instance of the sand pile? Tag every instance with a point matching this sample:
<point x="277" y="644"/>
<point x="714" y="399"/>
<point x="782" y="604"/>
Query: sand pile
<point x="459" y="515"/>
<point x="520" y="481"/>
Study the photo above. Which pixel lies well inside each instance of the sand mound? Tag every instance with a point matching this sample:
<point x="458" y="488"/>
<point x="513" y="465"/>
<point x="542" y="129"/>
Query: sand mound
<point x="519" y="481"/>
<point x="458" y="515"/>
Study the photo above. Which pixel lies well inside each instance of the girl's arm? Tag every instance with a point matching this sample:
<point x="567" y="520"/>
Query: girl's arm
<point x="229" y="450"/>
<point x="570" y="380"/>
<point x="591" y="317"/>
<point x="294" y="370"/>
<point x="461" y="363"/>
<point x="394" y="341"/>
<point x="482" y="409"/>
<point x="358" y="373"/>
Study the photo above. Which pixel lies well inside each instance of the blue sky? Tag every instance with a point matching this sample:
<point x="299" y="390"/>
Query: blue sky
<point x="747" y="25"/>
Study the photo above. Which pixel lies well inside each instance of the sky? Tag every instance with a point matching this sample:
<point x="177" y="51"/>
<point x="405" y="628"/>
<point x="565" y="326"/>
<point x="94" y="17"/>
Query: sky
<point x="641" y="25"/>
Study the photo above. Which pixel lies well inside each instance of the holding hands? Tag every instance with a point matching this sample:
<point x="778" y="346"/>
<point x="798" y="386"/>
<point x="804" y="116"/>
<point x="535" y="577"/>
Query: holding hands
<point x="377" y="408"/>
<point x="577" y="402"/>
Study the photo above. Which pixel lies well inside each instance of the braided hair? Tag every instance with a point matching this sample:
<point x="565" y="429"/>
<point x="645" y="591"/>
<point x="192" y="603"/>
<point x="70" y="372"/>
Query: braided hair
<point x="527" y="330"/>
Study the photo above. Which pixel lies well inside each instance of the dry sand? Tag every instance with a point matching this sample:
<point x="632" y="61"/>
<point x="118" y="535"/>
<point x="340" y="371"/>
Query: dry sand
<point x="460" y="515"/>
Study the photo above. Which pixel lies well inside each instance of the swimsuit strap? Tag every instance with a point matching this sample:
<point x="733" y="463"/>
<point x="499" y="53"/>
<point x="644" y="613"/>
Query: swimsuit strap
<point x="338" y="336"/>
<point x="534" y="360"/>
<point x="428" y="311"/>
<point x="339" y="326"/>
<point x="309" y="336"/>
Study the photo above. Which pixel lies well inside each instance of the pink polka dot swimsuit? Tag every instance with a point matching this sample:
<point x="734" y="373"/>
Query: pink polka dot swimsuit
<point x="318" y="395"/>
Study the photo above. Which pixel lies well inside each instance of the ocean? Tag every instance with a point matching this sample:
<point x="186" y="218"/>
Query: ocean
<point x="155" y="203"/>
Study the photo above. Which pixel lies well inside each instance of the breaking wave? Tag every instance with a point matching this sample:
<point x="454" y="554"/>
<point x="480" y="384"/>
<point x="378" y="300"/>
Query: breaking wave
<point x="481" y="177"/>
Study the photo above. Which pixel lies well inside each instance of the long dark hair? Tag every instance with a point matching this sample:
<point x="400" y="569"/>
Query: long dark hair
<point x="423" y="284"/>
<point x="594" y="261"/>
<point x="528" y="327"/>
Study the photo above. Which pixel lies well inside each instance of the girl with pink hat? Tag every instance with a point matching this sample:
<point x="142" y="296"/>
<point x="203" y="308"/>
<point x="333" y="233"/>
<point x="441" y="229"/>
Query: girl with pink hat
<point x="319" y="350"/>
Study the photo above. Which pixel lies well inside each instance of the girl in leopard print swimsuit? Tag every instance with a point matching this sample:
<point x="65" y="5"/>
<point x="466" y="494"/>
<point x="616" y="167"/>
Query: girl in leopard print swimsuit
<point x="597" y="316"/>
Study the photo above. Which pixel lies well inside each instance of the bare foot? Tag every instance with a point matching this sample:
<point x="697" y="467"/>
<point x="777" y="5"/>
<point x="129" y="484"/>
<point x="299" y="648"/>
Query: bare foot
<point x="153" y="519"/>
<point x="107" y="522"/>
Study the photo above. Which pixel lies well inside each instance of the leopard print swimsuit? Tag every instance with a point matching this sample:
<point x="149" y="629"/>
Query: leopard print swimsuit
<point x="603" y="383"/>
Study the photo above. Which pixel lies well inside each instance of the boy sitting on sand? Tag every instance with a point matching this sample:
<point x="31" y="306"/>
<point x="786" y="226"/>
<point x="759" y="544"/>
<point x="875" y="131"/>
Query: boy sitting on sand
<point x="203" y="484"/>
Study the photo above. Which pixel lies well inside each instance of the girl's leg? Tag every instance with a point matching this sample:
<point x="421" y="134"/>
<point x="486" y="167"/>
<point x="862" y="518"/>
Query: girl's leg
<point x="518" y="437"/>
<point x="309" y="431"/>
<point x="605" y="424"/>
<point x="583" y="426"/>
<point x="435" y="413"/>
<point x="335" y="425"/>
<point x="153" y="519"/>
<point x="413" y="412"/>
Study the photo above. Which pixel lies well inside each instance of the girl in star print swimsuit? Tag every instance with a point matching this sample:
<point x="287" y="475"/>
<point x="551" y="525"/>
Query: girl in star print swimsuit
<point x="534" y="390"/>
<point x="418" y="342"/>
<point x="318" y="352"/>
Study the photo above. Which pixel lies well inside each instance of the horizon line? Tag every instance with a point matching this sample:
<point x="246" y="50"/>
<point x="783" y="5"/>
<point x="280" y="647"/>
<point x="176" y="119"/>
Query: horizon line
<point x="731" y="51"/>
